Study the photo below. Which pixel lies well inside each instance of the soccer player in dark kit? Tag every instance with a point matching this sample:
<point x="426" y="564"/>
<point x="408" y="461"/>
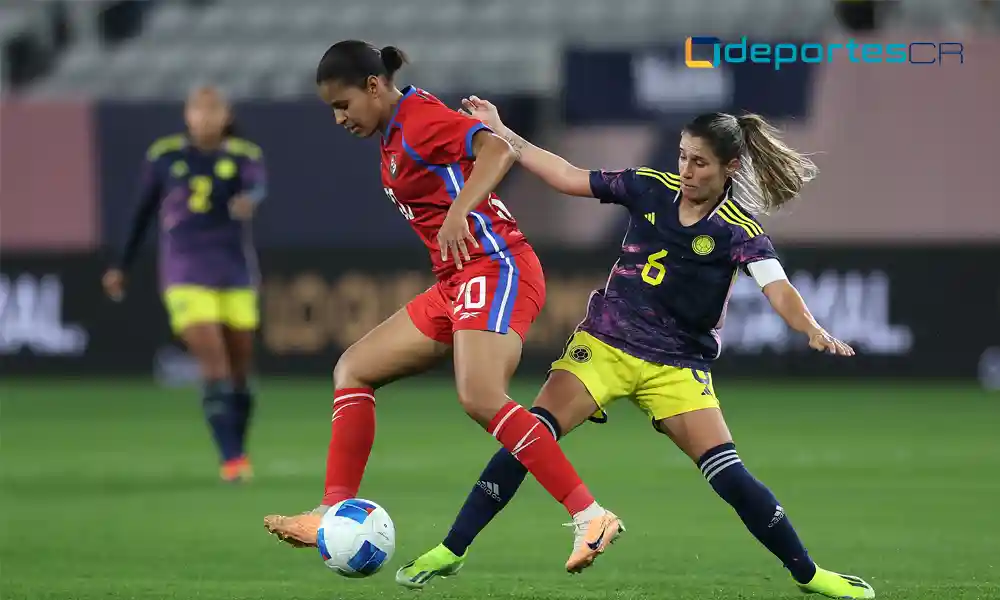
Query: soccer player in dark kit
<point x="440" y="168"/>
<point x="205" y="185"/>
<point x="652" y="333"/>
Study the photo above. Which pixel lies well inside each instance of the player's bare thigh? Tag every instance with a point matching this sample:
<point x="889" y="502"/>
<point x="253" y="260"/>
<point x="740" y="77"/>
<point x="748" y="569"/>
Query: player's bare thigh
<point x="484" y="363"/>
<point x="567" y="399"/>
<point x="206" y="342"/>
<point x="393" y="350"/>
<point x="696" y="432"/>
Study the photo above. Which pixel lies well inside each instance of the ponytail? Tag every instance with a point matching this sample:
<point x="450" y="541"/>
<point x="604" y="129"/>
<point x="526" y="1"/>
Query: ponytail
<point x="393" y="60"/>
<point x="354" y="61"/>
<point x="771" y="172"/>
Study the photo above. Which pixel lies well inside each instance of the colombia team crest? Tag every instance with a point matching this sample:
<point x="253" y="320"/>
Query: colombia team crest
<point x="225" y="169"/>
<point x="703" y="245"/>
<point x="393" y="165"/>
<point x="580" y="354"/>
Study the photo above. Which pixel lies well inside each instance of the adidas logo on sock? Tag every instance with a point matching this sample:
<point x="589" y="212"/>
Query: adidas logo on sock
<point x="491" y="489"/>
<point x="779" y="514"/>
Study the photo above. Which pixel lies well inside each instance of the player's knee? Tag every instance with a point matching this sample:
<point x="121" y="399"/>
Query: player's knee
<point x="239" y="380"/>
<point x="205" y="342"/>
<point x="343" y="371"/>
<point x="214" y="373"/>
<point x="480" y="400"/>
<point x="239" y="374"/>
<point x="214" y="366"/>
<point x="349" y="371"/>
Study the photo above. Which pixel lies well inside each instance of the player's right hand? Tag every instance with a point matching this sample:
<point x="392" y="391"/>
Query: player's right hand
<point x="476" y="107"/>
<point x="114" y="284"/>
<point x="453" y="237"/>
<point x="242" y="207"/>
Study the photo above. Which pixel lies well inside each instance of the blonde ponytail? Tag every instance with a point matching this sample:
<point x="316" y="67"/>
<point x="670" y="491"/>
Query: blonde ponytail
<point x="771" y="172"/>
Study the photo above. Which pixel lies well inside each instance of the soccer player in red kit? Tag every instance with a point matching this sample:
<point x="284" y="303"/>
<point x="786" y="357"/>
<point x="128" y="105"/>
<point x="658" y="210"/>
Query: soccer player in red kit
<point x="439" y="167"/>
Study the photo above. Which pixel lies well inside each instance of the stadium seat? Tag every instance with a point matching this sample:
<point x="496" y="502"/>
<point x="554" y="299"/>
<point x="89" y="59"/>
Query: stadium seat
<point x="272" y="47"/>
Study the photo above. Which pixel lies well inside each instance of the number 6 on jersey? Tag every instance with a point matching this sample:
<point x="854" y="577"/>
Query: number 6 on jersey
<point x="654" y="271"/>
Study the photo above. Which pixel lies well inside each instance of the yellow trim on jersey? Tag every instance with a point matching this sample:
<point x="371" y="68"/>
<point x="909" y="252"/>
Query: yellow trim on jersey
<point x="723" y="212"/>
<point x="751" y="228"/>
<point x="670" y="180"/>
<point x="743" y="217"/>
<point x="242" y="147"/>
<point x="668" y="175"/>
<point x="166" y="144"/>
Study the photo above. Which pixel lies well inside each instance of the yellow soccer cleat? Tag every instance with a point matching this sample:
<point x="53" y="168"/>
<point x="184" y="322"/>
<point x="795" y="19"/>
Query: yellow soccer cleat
<point x="437" y="562"/>
<point x="591" y="538"/>
<point x="835" y="585"/>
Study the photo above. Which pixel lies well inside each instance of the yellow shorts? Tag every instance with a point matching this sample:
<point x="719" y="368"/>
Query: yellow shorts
<point x="189" y="305"/>
<point x="608" y="373"/>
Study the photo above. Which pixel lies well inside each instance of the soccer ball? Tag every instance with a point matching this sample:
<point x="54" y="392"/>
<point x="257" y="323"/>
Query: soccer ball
<point x="356" y="538"/>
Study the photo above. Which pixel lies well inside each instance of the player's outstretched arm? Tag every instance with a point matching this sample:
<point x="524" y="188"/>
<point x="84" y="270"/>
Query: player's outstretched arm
<point x="553" y="169"/>
<point x="790" y="306"/>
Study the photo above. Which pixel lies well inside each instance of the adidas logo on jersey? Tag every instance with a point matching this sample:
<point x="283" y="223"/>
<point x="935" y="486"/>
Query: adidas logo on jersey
<point x="651" y="217"/>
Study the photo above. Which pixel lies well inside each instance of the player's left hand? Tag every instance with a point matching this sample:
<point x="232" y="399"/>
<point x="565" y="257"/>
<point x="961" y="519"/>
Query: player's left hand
<point x="824" y="342"/>
<point x="484" y="110"/>
<point x="241" y="207"/>
<point x="452" y="238"/>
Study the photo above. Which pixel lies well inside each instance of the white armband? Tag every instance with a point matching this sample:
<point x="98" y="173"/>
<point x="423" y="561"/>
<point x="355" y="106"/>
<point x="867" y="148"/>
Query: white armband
<point x="767" y="271"/>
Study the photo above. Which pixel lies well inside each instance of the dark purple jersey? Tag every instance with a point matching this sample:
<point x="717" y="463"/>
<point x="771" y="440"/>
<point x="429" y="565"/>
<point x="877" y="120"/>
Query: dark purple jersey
<point x="666" y="297"/>
<point x="200" y="243"/>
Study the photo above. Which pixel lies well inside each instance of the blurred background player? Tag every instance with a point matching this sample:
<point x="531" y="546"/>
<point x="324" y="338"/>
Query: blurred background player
<point x="206" y="184"/>
<point x="440" y="168"/>
<point x="653" y="332"/>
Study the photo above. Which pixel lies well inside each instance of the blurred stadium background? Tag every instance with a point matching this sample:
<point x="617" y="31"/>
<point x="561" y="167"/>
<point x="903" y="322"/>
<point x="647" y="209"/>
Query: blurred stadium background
<point x="886" y="462"/>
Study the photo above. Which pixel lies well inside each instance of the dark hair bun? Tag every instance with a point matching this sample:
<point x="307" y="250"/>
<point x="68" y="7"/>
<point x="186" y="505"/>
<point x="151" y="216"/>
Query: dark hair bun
<point x="393" y="59"/>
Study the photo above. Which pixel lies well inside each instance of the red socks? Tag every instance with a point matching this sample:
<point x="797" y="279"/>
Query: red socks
<point x="352" y="433"/>
<point x="525" y="437"/>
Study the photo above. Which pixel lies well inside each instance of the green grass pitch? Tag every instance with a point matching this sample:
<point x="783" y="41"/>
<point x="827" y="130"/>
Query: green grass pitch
<point x="109" y="490"/>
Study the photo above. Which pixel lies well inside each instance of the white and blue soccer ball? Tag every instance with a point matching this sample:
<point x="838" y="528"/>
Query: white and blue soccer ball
<point x="356" y="538"/>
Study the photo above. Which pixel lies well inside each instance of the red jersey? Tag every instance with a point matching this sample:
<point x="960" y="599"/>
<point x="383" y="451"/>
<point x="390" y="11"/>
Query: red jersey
<point x="426" y="158"/>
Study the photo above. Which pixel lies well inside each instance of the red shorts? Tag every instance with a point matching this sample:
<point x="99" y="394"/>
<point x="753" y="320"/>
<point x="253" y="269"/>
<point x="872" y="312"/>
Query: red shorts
<point x="487" y="295"/>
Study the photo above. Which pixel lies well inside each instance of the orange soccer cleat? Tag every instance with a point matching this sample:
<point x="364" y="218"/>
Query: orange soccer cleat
<point x="299" y="530"/>
<point x="591" y="538"/>
<point x="236" y="470"/>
